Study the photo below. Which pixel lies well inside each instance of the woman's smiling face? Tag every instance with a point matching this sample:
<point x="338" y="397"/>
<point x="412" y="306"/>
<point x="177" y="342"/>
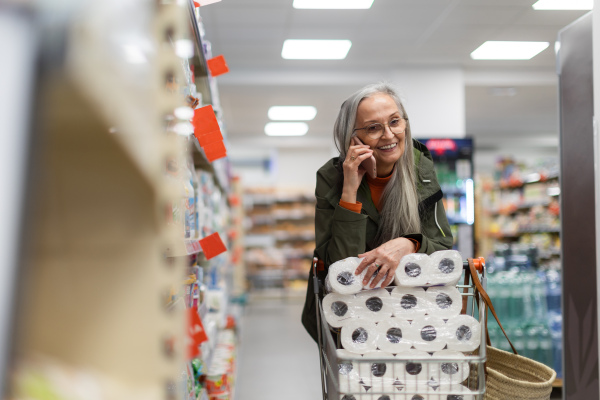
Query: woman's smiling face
<point x="387" y="150"/>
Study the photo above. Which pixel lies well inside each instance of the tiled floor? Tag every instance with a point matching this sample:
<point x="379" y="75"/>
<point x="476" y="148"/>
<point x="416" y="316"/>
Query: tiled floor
<point x="277" y="359"/>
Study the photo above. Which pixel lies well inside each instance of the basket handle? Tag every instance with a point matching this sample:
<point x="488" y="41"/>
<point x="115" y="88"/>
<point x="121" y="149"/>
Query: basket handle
<point x="481" y="291"/>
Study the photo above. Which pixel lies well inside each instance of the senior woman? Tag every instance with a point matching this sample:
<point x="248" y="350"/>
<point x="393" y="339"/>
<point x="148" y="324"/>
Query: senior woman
<point x="382" y="218"/>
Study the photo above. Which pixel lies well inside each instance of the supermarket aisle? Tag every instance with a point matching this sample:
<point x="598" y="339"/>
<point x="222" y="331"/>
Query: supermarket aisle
<point x="277" y="357"/>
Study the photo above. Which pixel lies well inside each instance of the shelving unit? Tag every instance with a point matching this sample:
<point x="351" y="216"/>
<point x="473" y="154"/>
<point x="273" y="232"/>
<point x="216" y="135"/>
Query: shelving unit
<point x="519" y="233"/>
<point x="101" y="299"/>
<point x="280" y="239"/>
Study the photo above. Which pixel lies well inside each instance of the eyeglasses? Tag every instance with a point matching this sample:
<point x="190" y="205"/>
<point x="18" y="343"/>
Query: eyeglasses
<point x="376" y="130"/>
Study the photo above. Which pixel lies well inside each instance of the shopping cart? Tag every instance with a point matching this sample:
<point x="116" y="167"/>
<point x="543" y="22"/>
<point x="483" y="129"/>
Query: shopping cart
<point x="336" y="386"/>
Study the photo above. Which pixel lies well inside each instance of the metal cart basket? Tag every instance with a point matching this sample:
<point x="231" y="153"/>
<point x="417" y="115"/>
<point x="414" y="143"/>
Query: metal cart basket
<point x="337" y="386"/>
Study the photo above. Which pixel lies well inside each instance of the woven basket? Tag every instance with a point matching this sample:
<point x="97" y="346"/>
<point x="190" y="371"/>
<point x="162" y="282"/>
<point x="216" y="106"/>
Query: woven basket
<point x="510" y="376"/>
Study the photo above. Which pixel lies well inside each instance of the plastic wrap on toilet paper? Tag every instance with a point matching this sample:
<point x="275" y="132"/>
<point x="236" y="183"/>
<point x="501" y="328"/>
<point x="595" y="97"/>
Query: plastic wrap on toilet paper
<point x="375" y="368"/>
<point x="348" y="377"/>
<point x="427" y="333"/>
<point x="463" y="333"/>
<point x="455" y="392"/>
<point x="409" y="302"/>
<point x="392" y="333"/>
<point x="453" y="371"/>
<point x="408" y="371"/>
<point x="359" y="336"/>
<point x="374" y="305"/>
<point x="341" y="276"/>
<point x="339" y="308"/>
<point x="446" y="267"/>
<point x="328" y="288"/>
<point x="443" y="301"/>
<point x="413" y="270"/>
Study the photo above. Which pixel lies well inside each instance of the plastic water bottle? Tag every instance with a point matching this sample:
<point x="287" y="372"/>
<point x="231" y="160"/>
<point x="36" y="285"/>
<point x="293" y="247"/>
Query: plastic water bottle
<point x="515" y="305"/>
<point x="553" y="291"/>
<point x="503" y="293"/>
<point x="540" y="306"/>
<point x="546" y="346"/>
<point x="532" y="342"/>
<point x="555" y="325"/>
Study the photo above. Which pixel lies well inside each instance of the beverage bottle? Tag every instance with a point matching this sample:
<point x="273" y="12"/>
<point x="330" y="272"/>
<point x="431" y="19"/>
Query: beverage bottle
<point x="553" y="291"/>
<point x="532" y="342"/>
<point x="516" y="301"/>
<point x="518" y="339"/>
<point x="555" y="325"/>
<point x="503" y="293"/>
<point x="545" y="347"/>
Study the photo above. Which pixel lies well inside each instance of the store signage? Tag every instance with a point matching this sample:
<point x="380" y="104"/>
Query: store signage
<point x="441" y="146"/>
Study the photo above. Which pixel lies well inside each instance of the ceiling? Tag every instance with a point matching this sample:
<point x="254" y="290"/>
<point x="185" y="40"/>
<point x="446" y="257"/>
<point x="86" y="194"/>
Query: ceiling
<point x="393" y="35"/>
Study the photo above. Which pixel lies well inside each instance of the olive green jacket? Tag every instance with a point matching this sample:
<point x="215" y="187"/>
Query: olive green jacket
<point x="341" y="233"/>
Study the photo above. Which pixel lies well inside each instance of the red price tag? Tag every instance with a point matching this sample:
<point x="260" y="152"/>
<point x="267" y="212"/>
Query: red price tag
<point x="212" y="245"/>
<point x="196" y="333"/>
<point x="208" y="138"/>
<point x="205" y="121"/>
<point x="215" y="150"/>
<point x="217" y="66"/>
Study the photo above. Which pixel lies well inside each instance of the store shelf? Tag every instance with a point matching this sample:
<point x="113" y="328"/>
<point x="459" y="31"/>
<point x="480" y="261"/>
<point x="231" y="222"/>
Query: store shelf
<point x="184" y="247"/>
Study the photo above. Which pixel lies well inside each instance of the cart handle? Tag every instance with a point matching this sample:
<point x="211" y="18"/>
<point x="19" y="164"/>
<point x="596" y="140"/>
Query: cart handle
<point x="478" y="263"/>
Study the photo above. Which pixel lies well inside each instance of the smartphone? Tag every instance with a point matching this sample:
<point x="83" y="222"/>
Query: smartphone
<point x="369" y="163"/>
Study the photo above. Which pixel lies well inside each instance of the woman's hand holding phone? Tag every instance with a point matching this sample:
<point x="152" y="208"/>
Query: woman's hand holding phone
<point x="353" y="171"/>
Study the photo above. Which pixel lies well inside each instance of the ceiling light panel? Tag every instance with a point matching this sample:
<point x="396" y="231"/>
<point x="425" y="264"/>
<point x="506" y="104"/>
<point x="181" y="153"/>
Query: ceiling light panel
<point x="292" y="113"/>
<point x="563" y="5"/>
<point x="294" y="49"/>
<point x="333" y="4"/>
<point x="499" y="50"/>
<point x="286" y="128"/>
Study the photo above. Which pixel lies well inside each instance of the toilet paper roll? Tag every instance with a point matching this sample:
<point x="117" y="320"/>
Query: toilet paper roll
<point x="348" y="377"/>
<point x="454" y="370"/>
<point x="463" y="333"/>
<point x="427" y="333"/>
<point x="413" y="270"/>
<point x="409" y="302"/>
<point x="328" y="288"/>
<point x="359" y="336"/>
<point x="341" y="276"/>
<point x="392" y="335"/>
<point x="443" y="301"/>
<point x="446" y="267"/>
<point x="339" y="308"/>
<point x="374" y="305"/>
<point x="374" y="366"/>
<point x="456" y="392"/>
<point x="408" y="371"/>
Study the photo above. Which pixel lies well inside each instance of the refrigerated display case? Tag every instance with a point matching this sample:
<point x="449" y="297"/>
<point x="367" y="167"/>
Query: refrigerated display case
<point x="453" y="159"/>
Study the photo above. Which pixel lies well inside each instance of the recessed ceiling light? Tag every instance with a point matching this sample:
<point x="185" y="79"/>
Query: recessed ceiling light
<point x="499" y="50"/>
<point x="563" y="5"/>
<point x="292" y="113"/>
<point x="286" y="128"/>
<point x="294" y="49"/>
<point x="333" y="4"/>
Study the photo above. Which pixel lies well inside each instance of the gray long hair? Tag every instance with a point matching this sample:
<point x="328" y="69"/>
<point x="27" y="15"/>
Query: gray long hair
<point x="400" y="213"/>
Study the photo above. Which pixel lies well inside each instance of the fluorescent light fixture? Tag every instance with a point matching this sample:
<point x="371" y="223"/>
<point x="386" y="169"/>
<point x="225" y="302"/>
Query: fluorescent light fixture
<point x="286" y="128"/>
<point x="333" y="4"/>
<point x="500" y="50"/>
<point x="563" y="5"/>
<point x="294" y="49"/>
<point x="292" y="113"/>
